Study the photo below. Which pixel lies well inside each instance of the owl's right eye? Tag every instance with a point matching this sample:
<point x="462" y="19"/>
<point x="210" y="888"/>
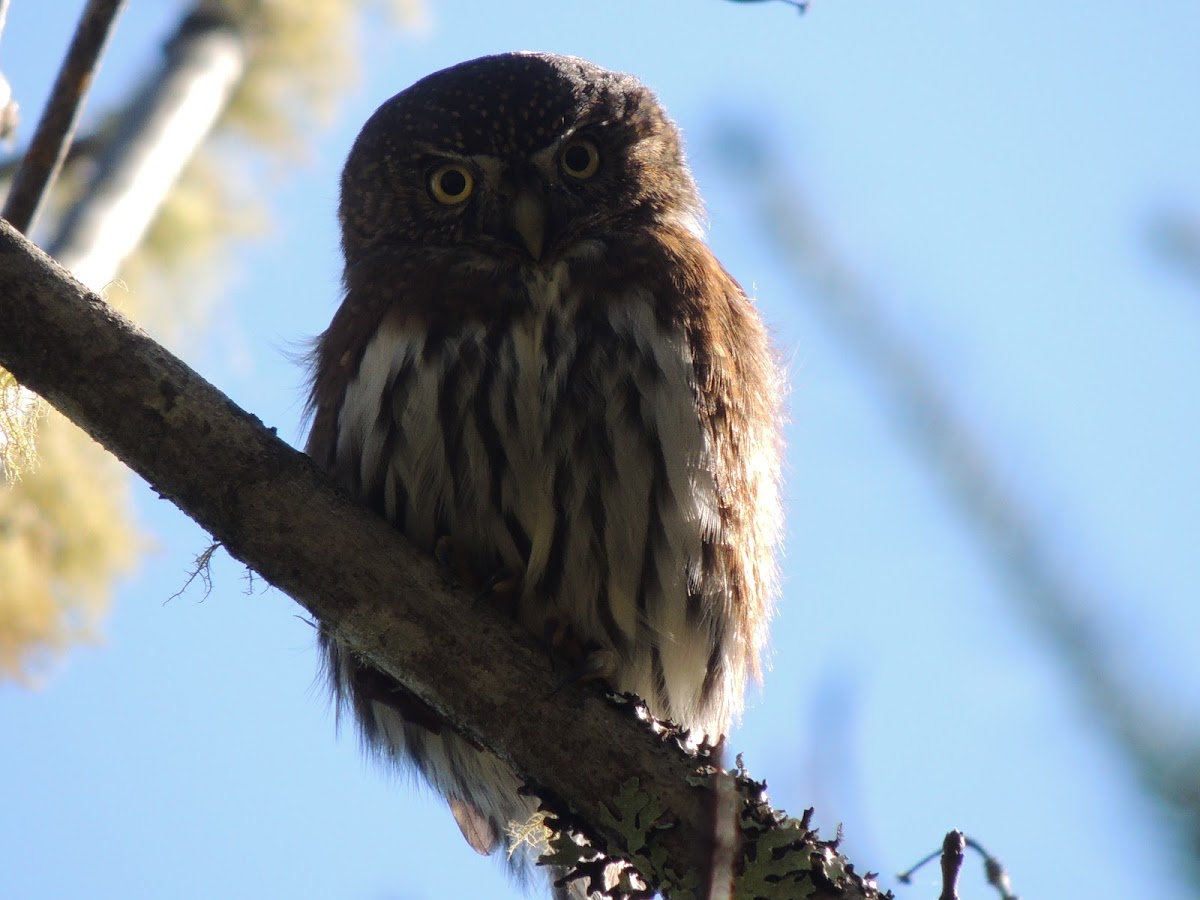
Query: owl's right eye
<point x="451" y="184"/>
<point x="580" y="158"/>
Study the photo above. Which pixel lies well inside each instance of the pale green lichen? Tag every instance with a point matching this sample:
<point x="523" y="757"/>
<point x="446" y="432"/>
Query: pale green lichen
<point x="781" y="866"/>
<point x="565" y="852"/>
<point x="779" y="859"/>
<point x="637" y="815"/>
<point x="640" y="819"/>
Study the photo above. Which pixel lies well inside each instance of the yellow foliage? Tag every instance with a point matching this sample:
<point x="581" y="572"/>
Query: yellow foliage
<point x="65" y="536"/>
<point x="302" y="55"/>
<point x="20" y="411"/>
<point x="305" y="55"/>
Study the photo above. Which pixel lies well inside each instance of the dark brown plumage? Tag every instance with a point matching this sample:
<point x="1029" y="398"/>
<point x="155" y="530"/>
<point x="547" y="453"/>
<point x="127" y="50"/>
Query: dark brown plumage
<point x="539" y="360"/>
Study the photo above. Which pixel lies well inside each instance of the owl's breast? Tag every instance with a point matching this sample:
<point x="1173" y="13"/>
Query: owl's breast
<point x="559" y="440"/>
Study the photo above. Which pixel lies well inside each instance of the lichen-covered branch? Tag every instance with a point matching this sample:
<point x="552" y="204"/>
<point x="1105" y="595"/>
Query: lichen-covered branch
<point x="593" y="759"/>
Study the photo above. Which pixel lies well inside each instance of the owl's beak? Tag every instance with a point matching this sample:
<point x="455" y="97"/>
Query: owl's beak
<point x="529" y="219"/>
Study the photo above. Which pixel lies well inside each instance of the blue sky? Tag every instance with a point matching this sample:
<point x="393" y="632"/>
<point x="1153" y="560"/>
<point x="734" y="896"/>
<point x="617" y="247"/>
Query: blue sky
<point x="988" y="171"/>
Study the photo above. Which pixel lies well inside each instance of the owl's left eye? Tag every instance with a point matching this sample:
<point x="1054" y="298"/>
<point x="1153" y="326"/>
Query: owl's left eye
<point x="579" y="158"/>
<point x="451" y="183"/>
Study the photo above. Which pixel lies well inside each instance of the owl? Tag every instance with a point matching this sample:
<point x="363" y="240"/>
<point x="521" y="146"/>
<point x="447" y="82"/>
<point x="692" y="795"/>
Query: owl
<point x="541" y="373"/>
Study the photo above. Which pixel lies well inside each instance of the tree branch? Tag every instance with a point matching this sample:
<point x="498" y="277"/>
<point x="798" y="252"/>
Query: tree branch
<point x="52" y="137"/>
<point x="273" y="510"/>
<point x="160" y="131"/>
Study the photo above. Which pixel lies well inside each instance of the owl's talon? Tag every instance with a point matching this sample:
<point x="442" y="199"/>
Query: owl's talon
<point x="558" y="635"/>
<point x="504" y="589"/>
<point x="443" y="552"/>
<point x="446" y="551"/>
<point x="597" y="665"/>
<point x="505" y="585"/>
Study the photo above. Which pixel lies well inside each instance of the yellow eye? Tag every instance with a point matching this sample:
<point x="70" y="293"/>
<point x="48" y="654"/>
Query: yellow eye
<point x="451" y="184"/>
<point x="579" y="158"/>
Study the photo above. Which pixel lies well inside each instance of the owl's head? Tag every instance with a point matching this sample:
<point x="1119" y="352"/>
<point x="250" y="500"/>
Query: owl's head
<point x="519" y="158"/>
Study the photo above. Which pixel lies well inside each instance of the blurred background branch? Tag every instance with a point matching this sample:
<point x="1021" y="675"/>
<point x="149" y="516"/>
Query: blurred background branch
<point x="1163" y="750"/>
<point x="1174" y="236"/>
<point x="149" y="145"/>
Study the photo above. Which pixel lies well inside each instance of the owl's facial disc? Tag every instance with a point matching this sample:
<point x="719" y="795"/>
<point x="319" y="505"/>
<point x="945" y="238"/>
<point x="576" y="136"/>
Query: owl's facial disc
<point x="515" y="159"/>
<point x="518" y="207"/>
<point x="536" y="207"/>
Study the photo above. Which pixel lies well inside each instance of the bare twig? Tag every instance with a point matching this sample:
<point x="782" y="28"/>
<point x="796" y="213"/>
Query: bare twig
<point x="997" y="875"/>
<point x="83" y="148"/>
<point x="801" y="6"/>
<point x="952" y="860"/>
<point x="906" y="876"/>
<point x="202" y="569"/>
<point x="53" y="134"/>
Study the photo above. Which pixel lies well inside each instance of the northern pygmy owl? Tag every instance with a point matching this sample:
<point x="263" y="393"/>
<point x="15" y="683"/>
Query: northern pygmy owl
<point x="538" y="360"/>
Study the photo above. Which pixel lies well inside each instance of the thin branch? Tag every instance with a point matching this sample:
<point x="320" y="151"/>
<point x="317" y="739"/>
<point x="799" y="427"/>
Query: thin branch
<point x="161" y="130"/>
<point x="597" y="763"/>
<point x="952" y="860"/>
<point x="83" y="149"/>
<point x="52" y="137"/>
<point x="994" y="871"/>
<point x="801" y="6"/>
<point x="952" y="852"/>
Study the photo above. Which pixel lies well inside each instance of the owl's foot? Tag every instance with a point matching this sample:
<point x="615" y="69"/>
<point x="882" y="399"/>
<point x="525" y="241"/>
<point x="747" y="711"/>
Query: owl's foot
<point x="596" y="664"/>
<point x="451" y="558"/>
<point x="504" y="589"/>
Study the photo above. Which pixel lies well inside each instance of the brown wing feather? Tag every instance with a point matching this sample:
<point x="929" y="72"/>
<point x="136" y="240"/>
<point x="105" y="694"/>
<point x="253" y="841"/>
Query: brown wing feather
<point x="738" y="387"/>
